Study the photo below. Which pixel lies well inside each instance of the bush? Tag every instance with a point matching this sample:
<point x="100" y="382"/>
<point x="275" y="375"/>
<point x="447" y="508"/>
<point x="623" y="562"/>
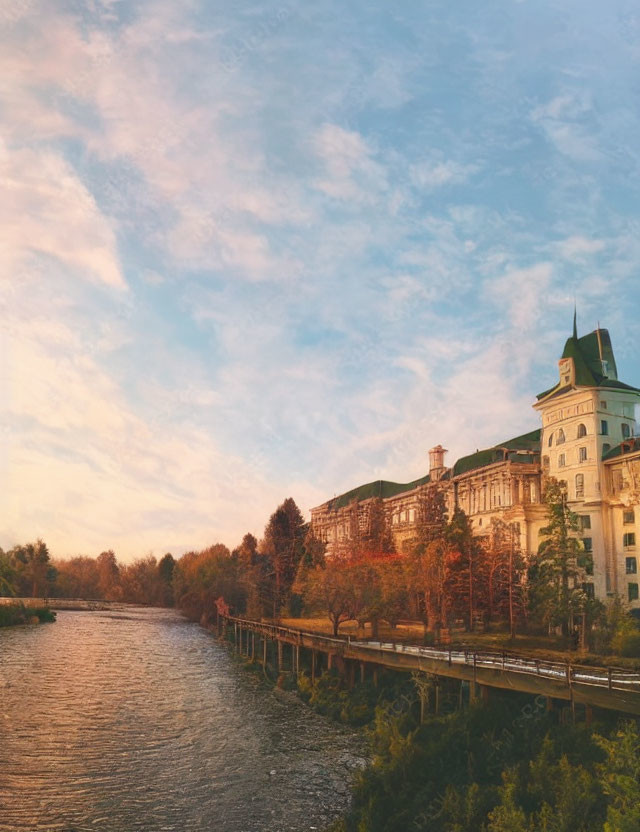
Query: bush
<point x="627" y="644"/>
<point x="19" y="614"/>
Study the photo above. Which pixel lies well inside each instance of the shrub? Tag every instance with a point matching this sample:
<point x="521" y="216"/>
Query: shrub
<point x="627" y="644"/>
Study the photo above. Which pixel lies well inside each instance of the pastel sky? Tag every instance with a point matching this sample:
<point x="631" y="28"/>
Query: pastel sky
<point x="254" y="250"/>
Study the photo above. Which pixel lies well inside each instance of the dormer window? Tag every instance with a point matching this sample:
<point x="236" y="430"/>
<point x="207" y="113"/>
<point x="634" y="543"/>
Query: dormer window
<point x="605" y="368"/>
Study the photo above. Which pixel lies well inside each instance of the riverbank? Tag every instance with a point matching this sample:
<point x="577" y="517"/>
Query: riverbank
<point x="12" y="615"/>
<point x="441" y="762"/>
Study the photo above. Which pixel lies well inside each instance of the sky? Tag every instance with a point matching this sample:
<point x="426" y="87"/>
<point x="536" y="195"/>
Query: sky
<point x="254" y="250"/>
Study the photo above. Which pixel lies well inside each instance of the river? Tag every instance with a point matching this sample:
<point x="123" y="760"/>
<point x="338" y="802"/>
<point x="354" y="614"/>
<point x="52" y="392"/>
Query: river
<point x="136" y="719"/>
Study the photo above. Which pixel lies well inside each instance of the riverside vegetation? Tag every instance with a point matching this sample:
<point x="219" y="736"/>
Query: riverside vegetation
<point x="509" y="765"/>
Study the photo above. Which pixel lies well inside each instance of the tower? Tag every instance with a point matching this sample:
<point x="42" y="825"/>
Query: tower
<point x="583" y="416"/>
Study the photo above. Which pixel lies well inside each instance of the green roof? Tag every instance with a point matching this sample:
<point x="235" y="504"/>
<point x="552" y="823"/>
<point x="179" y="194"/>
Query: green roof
<point x="379" y="488"/>
<point x="585" y="353"/>
<point x="626" y="446"/>
<point x="525" y="445"/>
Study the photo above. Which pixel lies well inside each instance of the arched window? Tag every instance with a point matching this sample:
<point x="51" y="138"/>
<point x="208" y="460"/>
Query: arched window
<point x="551" y="439"/>
<point x="561" y="437"/>
<point x="582" y="431"/>
<point x="579" y="485"/>
<point x="625" y="431"/>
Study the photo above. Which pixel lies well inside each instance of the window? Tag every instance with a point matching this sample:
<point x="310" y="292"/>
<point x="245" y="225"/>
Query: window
<point x="629" y="539"/>
<point x="589" y="590"/>
<point x="551" y="439"/>
<point x="604" y="427"/>
<point x="545" y="463"/>
<point x="603" y="405"/>
<point x="587" y="542"/>
<point x="561" y="461"/>
<point x="606" y="448"/>
<point x="633" y="592"/>
<point x="561" y="437"/>
<point x="579" y="485"/>
<point x="582" y="454"/>
<point x="584" y="520"/>
<point x="628" y="516"/>
<point x="582" y="431"/>
<point x="625" y="431"/>
<point x="631" y="565"/>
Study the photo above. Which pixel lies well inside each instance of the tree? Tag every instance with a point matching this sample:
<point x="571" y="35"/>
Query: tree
<point x="377" y="537"/>
<point x="7" y="575"/>
<point x="201" y="579"/>
<point x="330" y="588"/>
<point x="431" y="519"/>
<point x="433" y="581"/>
<point x="77" y="578"/>
<point x="33" y="568"/>
<point x="283" y="546"/>
<point x="108" y="576"/>
<point x="463" y="582"/>
<point x="503" y="567"/>
<point x="620" y="778"/>
<point x="558" y="571"/>
<point x="166" y="568"/>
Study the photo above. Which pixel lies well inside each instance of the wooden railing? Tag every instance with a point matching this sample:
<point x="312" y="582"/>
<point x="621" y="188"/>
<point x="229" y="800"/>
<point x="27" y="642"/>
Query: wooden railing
<point x="612" y="678"/>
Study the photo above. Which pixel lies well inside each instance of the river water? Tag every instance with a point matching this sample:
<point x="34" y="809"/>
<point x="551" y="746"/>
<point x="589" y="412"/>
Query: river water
<point x="136" y="719"/>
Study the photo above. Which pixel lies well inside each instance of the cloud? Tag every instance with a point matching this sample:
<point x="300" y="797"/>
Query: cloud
<point x="352" y="172"/>
<point x="577" y="247"/>
<point x="47" y="211"/>
<point x="436" y="174"/>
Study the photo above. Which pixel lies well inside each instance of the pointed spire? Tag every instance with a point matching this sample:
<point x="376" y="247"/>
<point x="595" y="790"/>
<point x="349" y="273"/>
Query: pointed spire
<point x="575" y="321"/>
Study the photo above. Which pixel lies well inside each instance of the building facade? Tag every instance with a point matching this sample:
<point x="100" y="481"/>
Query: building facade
<point x="586" y="438"/>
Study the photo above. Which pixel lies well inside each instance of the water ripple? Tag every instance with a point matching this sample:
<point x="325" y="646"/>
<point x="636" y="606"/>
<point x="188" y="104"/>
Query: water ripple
<point x="138" y="720"/>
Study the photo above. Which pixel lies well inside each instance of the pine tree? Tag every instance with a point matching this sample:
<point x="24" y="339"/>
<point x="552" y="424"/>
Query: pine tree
<point x="557" y="573"/>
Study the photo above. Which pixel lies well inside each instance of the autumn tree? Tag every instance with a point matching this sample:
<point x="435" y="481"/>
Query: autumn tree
<point x="463" y="582"/>
<point x="425" y="561"/>
<point x="503" y="567"/>
<point x="76" y="577"/>
<point x="108" y="576"/>
<point x="377" y="537"/>
<point x="200" y="579"/>
<point x="253" y="575"/>
<point x="431" y="578"/>
<point x="330" y="588"/>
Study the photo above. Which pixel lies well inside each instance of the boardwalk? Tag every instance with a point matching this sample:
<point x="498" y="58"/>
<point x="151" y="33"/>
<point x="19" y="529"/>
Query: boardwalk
<point x="603" y="687"/>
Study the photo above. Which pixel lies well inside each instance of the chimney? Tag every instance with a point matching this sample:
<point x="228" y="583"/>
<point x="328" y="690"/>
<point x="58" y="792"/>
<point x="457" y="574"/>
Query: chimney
<point x="436" y="463"/>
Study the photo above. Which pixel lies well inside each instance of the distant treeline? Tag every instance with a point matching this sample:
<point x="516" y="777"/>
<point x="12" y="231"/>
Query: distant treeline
<point x="446" y="577"/>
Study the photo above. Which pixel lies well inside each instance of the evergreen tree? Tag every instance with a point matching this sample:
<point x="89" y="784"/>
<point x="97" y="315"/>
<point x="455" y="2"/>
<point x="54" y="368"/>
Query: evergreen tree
<point x="283" y="547"/>
<point x="557" y="573"/>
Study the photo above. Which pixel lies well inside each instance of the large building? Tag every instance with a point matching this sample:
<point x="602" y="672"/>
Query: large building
<point x="586" y="438"/>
